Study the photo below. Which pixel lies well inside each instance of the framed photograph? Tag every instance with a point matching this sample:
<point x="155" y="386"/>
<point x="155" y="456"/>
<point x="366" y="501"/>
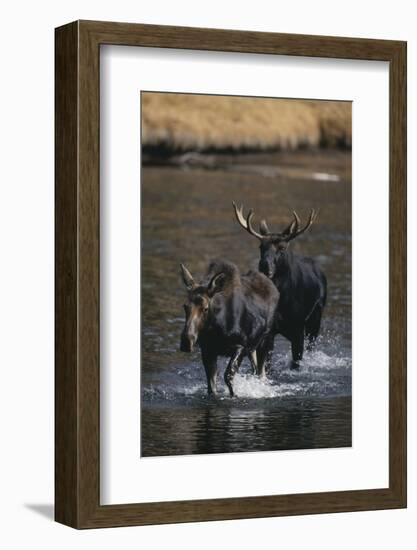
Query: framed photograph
<point x="230" y="274"/>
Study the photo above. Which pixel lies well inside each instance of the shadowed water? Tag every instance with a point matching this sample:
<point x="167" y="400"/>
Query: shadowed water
<point x="187" y="217"/>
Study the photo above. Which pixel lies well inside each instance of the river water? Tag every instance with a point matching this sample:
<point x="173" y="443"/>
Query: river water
<point x="187" y="217"/>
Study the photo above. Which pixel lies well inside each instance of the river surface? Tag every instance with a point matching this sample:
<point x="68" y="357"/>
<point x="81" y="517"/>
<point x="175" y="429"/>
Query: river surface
<point x="187" y="217"/>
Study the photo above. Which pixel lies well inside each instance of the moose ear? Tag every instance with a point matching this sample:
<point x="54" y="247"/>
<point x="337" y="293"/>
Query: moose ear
<point x="263" y="228"/>
<point x="187" y="277"/>
<point x="216" y="284"/>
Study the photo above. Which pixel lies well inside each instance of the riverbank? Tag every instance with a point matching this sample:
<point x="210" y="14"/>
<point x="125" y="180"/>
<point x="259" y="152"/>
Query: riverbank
<point x="179" y="123"/>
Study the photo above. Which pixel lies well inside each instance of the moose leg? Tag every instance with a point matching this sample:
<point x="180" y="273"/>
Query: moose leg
<point x="233" y="367"/>
<point x="210" y="366"/>
<point x="312" y="328"/>
<point x="253" y="361"/>
<point x="264" y="353"/>
<point x="297" y="349"/>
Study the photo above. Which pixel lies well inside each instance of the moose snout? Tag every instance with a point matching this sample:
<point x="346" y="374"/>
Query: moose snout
<point x="187" y="343"/>
<point x="266" y="269"/>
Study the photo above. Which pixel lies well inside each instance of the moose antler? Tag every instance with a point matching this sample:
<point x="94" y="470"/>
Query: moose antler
<point x="246" y="223"/>
<point x="293" y="226"/>
<point x="293" y="230"/>
<point x="288" y="234"/>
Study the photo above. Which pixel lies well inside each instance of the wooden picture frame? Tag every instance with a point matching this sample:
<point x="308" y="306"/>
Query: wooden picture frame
<point x="77" y="372"/>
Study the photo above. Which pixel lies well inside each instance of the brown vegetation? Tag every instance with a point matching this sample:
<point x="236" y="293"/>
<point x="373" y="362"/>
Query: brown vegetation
<point x="183" y="122"/>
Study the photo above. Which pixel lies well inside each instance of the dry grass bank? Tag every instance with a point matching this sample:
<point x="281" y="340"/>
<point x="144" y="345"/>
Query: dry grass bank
<point x="182" y="122"/>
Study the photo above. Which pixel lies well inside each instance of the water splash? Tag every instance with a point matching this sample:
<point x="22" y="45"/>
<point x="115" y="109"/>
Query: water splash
<point x="318" y="360"/>
<point x="319" y="375"/>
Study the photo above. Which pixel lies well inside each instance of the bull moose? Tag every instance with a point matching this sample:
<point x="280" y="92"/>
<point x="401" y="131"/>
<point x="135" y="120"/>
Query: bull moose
<point x="301" y="283"/>
<point x="228" y="315"/>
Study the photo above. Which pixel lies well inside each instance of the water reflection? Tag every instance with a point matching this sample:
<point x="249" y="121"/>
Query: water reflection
<point x="217" y="428"/>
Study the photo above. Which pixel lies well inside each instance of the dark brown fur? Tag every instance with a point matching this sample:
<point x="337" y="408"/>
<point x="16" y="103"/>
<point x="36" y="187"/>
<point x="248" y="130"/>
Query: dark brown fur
<point x="229" y="315"/>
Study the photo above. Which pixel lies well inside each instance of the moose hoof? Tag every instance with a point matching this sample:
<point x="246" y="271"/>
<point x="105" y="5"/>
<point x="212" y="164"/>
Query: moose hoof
<point x="293" y="365"/>
<point x="231" y="392"/>
<point x="262" y="374"/>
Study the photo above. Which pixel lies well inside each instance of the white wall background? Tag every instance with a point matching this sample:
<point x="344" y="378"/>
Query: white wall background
<point x="26" y="275"/>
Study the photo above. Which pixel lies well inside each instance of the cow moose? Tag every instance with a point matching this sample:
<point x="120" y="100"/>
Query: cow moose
<point x="228" y="315"/>
<point x="301" y="283"/>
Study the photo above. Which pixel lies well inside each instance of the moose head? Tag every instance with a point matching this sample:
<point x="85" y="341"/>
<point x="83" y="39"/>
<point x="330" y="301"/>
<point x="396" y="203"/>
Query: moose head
<point x="273" y="246"/>
<point x="197" y="306"/>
